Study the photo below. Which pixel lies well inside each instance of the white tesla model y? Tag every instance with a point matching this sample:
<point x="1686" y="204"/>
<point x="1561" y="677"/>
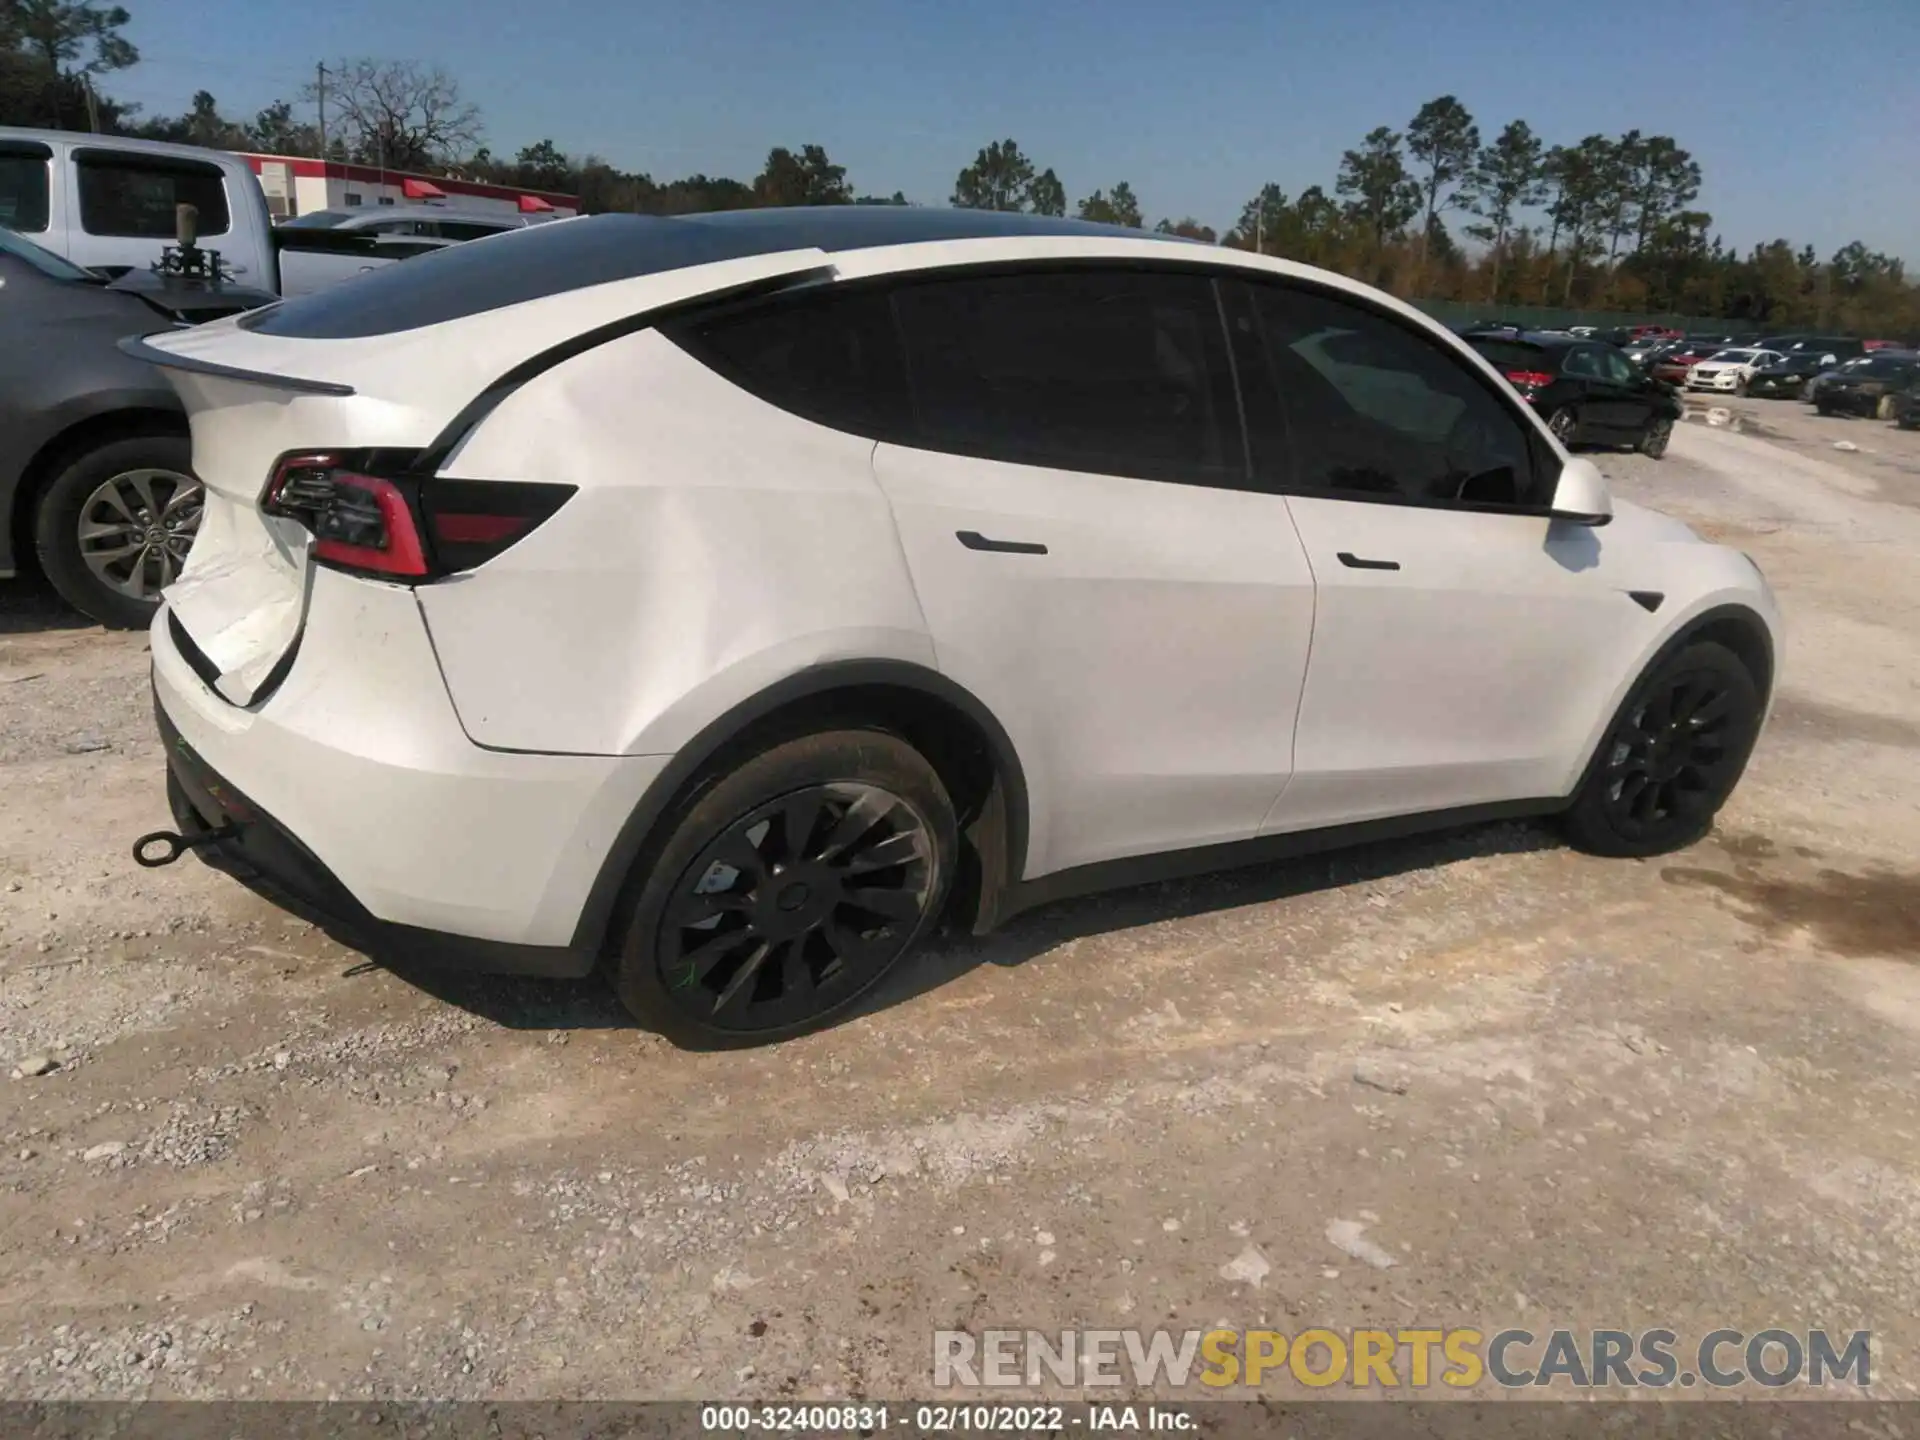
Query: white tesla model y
<point x="729" y="598"/>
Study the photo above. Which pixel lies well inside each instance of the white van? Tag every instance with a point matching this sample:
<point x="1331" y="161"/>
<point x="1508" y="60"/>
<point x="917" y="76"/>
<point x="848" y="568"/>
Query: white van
<point x="110" y="204"/>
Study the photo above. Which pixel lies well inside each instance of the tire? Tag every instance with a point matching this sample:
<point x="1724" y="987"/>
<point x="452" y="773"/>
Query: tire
<point x="1888" y="406"/>
<point x="1703" y="692"/>
<point x="1565" y="425"/>
<point x="1740" y="387"/>
<point x="1653" y="440"/>
<point x="717" y="955"/>
<point x="1822" y="407"/>
<point x="115" y="524"/>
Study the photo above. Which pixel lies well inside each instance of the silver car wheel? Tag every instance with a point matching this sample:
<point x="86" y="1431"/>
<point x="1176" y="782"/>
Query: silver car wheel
<point x="136" y="528"/>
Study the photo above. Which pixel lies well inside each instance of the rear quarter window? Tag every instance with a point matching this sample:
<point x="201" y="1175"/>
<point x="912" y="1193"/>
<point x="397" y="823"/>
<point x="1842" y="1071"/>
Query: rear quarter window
<point x="833" y="358"/>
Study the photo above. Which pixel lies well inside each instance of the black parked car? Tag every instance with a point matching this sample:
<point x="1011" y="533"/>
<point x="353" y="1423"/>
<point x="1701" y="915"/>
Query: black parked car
<point x="94" y="471"/>
<point x="1870" y="386"/>
<point x="1788" y="378"/>
<point x="1587" y="393"/>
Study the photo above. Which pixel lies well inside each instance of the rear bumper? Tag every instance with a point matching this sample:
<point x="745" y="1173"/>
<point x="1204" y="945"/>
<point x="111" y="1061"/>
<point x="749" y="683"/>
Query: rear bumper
<point x="270" y="860"/>
<point x="366" y="803"/>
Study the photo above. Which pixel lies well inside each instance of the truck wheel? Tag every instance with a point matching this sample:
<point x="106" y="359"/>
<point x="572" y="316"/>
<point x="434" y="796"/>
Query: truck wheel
<point x="114" y="526"/>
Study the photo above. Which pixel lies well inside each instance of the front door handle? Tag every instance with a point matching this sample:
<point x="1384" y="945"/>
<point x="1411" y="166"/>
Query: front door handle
<point x="1354" y="562"/>
<point x="974" y="540"/>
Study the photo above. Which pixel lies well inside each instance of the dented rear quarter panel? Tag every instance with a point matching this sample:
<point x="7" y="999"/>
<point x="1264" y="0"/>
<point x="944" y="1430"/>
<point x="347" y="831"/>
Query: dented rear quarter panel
<point x="716" y="545"/>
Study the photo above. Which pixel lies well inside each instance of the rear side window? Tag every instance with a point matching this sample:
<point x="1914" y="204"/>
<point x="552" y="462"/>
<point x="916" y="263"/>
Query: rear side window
<point x="832" y="358"/>
<point x="136" y="195"/>
<point x="1618" y="368"/>
<point x="1374" y="410"/>
<point x="1119" y="372"/>
<point x="23" y="187"/>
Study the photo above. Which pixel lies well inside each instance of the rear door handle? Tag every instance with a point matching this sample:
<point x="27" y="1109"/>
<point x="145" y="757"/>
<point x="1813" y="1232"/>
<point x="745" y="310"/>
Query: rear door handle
<point x="974" y="540"/>
<point x="1354" y="562"/>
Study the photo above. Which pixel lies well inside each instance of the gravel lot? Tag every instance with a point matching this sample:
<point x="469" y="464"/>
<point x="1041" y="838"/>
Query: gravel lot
<point x="1550" y="1089"/>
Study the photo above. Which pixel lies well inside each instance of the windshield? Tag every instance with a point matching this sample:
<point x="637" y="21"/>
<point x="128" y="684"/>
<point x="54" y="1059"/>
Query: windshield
<point x="45" y="261"/>
<point x="1887" y="364"/>
<point x="317" y="220"/>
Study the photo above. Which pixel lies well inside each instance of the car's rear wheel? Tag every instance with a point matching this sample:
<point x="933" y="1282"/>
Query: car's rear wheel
<point x="788" y="890"/>
<point x="1671" y="757"/>
<point x="114" y="526"/>
<point x="1889" y="405"/>
<point x="1565" y="425"/>
<point x="1653" y="440"/>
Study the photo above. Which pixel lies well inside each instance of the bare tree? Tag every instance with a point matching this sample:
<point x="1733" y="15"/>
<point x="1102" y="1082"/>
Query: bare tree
<point x="398" y="113"/>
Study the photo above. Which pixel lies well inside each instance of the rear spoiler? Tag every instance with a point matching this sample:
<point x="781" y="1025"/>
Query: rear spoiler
<point x="139" y="349"/>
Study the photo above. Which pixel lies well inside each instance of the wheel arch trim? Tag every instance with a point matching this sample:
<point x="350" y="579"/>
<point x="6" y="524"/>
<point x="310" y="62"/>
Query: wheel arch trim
<point x="1005" y="811"/>
<point x="1749" y="622"/>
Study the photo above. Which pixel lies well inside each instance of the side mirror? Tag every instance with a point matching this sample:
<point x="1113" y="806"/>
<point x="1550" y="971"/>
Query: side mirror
<point x="1580" y="497"/>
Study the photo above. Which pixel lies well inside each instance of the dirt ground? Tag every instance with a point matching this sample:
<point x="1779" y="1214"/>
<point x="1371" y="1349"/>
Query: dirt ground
<point x="1550" y="1090"/>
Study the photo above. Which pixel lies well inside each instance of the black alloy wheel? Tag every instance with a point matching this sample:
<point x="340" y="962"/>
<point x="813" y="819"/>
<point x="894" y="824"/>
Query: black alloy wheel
<point x="789" y="890"/>
<point x="1565" y="425"/>
<point x="1671" y="758"/>
<point x="1653" y="440"/>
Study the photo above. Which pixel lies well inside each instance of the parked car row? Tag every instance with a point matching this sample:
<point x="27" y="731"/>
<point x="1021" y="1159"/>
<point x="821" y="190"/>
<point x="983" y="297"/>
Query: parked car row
<point x="1883" y="384"/>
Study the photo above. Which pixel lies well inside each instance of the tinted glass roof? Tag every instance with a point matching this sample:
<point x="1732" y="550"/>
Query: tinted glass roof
<point x="542" y="260"/>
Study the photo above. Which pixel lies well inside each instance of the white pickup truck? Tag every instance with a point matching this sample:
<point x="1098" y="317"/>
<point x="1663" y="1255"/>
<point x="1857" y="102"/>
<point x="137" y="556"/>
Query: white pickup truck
<point x="110" y="204"/>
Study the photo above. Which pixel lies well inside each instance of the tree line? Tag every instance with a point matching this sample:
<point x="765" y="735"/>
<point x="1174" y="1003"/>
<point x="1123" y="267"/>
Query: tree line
<point x="1604" y="222"/>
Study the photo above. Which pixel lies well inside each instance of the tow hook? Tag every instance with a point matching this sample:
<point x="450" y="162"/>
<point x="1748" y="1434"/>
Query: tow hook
<point x="172" y="845"/>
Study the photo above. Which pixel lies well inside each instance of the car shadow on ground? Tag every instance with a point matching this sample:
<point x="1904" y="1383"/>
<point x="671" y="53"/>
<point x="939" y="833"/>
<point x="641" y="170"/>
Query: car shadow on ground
<point x="519" y="1003"/>
<point x="28" y="606"/>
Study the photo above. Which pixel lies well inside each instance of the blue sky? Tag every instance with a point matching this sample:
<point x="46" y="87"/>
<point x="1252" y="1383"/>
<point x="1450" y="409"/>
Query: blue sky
<point x="1804" y="114"/>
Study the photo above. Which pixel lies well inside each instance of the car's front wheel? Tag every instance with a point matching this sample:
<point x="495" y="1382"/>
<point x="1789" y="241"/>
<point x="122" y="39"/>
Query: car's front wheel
<point x="788" y="889"/>
<point x="1565" y="425"/>
<point x="1671" y="757"/>
<point x="1653" y="441"/>
<point x="114" y="526"/>
<point x="1887" y="408"/>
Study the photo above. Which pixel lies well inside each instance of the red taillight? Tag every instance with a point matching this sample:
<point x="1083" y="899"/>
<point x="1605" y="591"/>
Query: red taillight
<point x="471" y="521"/>
<point x="361" y="522"/>
<point x="1529" y="379"/>
<point x="404" y="526"/>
